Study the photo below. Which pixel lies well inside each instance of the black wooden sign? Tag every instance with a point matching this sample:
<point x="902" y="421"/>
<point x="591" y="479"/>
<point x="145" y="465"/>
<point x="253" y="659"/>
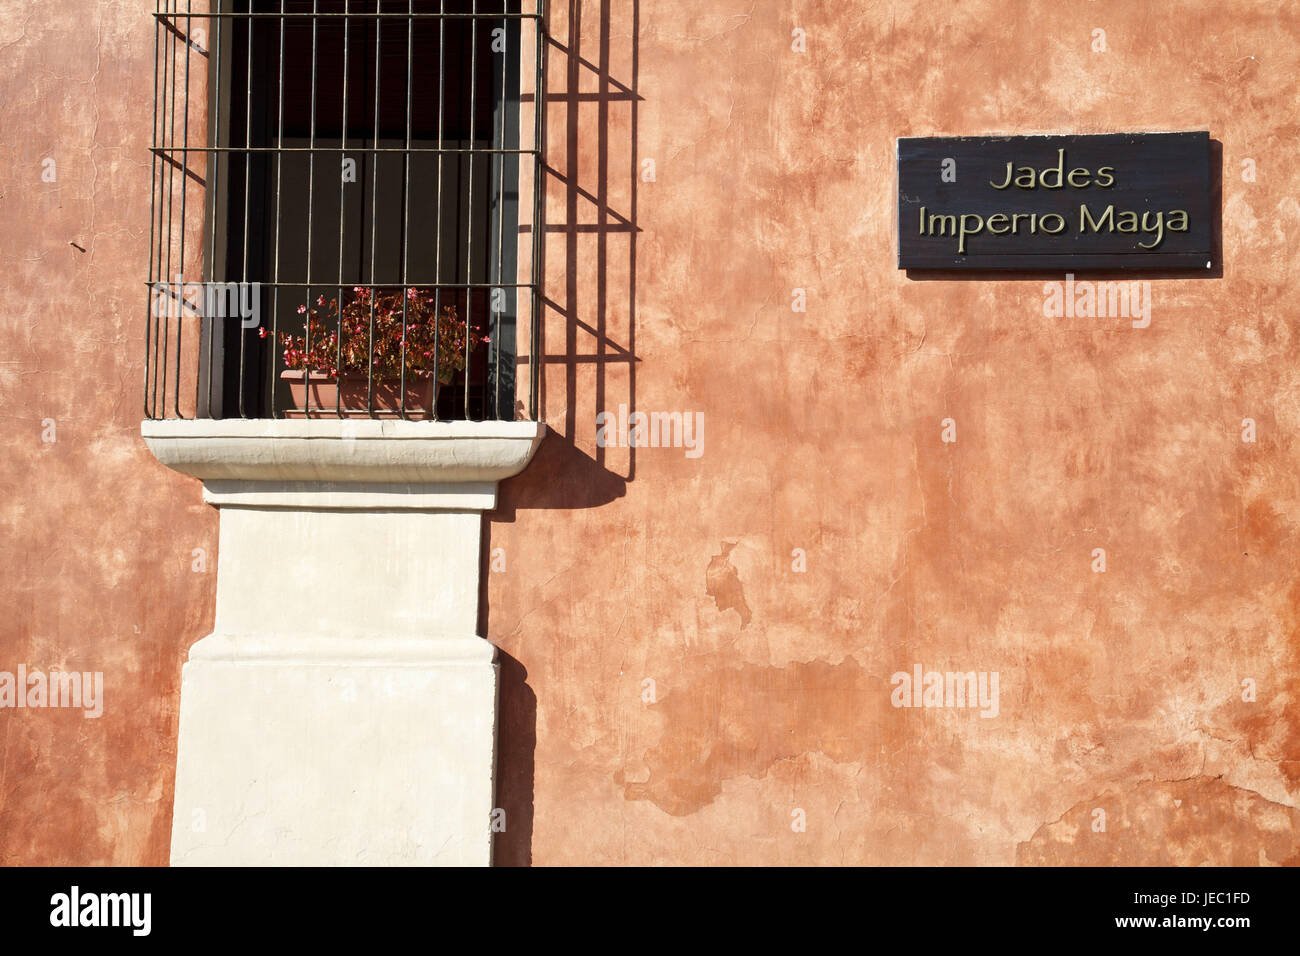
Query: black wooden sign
<point x="1118" y="201"/>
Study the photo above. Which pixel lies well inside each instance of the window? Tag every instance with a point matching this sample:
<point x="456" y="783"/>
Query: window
<point x="357" y="151"/>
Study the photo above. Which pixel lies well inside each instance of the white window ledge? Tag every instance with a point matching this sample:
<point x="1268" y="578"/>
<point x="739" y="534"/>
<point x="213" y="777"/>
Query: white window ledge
<point x="345" y="451"/>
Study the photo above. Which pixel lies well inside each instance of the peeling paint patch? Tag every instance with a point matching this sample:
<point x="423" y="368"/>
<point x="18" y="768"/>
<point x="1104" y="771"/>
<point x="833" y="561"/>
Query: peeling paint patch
<point x="740" y="721"/>
<point x="722" y="583"/>
<point x="1201" y="821"/>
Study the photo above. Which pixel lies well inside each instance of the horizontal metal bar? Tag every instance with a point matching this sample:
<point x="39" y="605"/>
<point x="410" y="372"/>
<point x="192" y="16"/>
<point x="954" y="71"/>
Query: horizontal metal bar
<point x="351" y="15"/>
<point x="362" y="285"/>
<point x="337" y="149"/>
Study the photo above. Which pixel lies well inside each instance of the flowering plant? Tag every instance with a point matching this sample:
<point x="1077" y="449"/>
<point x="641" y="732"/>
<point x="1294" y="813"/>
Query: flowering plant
<point x="433" y="342"/>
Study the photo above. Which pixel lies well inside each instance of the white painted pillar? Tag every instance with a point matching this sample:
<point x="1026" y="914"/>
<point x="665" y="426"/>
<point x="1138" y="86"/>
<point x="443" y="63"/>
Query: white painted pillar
<point x="343" y="711"/>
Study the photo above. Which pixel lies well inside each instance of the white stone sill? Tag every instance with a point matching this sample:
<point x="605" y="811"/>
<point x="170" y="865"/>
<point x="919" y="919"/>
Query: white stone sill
<point x="352" y="650"/>
<point x="344" y="452"/>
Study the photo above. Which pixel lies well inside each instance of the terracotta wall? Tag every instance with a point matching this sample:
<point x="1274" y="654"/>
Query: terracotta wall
<point x="107" y="559"/>
<point x="772" y="171"/>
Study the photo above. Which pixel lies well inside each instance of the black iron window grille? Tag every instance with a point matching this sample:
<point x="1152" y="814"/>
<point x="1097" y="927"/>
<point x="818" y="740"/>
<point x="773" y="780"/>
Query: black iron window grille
<point x="360" y="247"/>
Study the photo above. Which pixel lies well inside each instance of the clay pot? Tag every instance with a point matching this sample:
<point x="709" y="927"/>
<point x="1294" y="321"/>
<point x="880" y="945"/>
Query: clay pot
<point x="329" y="398"/>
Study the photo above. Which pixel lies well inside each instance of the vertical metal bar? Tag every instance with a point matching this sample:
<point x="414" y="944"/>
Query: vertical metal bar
<point x="171" y="187"/>
<point x="185" y="182"/>
<point x="494" y="324"/>
<point x="539" y="106"/>
<point x="437" y="238"/>
<point x="406" y="191"/>
<point x="214" y="177"/>
<point x="275" y="268"/>
<point x="374" y="216"/>
<point x="154" y="196"/>
<point x="602" y="203"/>
<point x="171" y="216"/>
<point x="343" y="145"/>
<point x="469" y="211"/>
<point x="163" y="211"/>
<point x="248" y="183"/>
<point x="311" y="200"/>
<point x="634" y="99"/>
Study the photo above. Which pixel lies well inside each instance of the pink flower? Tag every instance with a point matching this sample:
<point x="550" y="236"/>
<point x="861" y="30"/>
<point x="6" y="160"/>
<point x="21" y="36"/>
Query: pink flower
<point x="302" y="309"/>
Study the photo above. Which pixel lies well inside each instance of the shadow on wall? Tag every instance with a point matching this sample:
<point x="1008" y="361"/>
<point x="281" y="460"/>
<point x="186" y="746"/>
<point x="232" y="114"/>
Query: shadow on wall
<point x="599" y="234"/>
<point x="516" y="743"/>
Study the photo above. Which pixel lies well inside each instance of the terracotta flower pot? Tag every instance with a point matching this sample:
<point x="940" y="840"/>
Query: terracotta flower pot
<point x="325" y="397"/>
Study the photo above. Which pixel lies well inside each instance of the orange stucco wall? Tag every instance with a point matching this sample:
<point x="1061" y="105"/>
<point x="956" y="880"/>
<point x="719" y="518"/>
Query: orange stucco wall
<point x="679" y="684"/>
<point x="107" y="559"/>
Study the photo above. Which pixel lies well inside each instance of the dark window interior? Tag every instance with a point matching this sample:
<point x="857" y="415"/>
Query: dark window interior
<point x="300" y="202"/>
